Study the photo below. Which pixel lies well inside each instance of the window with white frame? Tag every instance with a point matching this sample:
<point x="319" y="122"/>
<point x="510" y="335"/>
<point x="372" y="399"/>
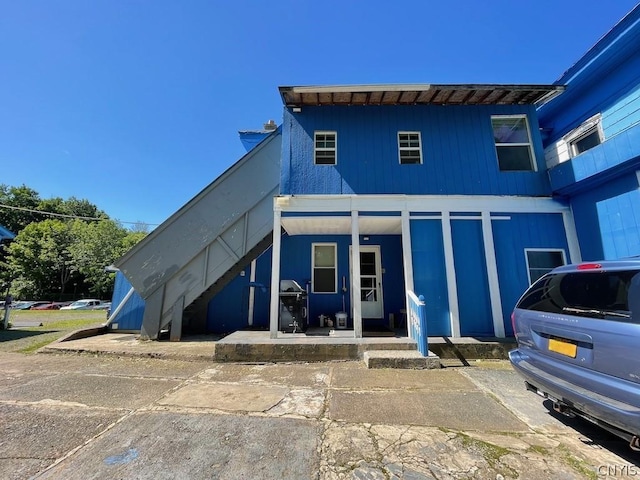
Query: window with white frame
<point x="542" y="261"/>
<point x="585" y="137"/>
<point x="513" y="142"/>
<point x="324" y="149"/>
<point x="324" y="266"/>
<point x="410" y="148"/>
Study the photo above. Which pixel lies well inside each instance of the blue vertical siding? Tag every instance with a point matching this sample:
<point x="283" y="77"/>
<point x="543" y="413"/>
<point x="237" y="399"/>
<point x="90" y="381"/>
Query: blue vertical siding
<point x="510" y="238"/>
<point x="429" y="274"/>
<point x="130" y="317"/>
<point x="474" y="302"/>
<point x="296" y="265"/>
<point x="619" y="219"/>
<point x="392" y="276"/>
<point x="229" y="310"/>
<point x="595" y="232"/>
<point x="457" y="143"/>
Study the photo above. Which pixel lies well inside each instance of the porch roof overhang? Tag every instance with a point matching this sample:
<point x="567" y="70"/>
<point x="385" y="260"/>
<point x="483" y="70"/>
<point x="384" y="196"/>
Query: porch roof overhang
<point x="341" y="225"/>
<point x="418" y="94"/>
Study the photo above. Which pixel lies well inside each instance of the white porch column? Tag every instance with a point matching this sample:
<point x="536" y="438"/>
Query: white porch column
<point x="407" y="261"/>
<point x="452" y="286"/>
<point x="275" y="274"/>
<point x="252" y="292"/>
<point x="355" y="279"/>
<point x="492" y="275"/>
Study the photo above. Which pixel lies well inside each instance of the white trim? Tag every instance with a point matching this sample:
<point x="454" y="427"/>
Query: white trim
<point x="420" y="203"/>
<point x="407" y="260"/>
<point x="452" y="286"/>
<point x="252" y="292"/>
<point x="355" y="278"/>
<point x="553" y="250"/>
<point x="532" y="155"/>
<point x="376" y="249"/>
<point x="335" y="266"/>
<point x="325" y="149"/>
<point x="461" y="217"/>
<point x="572" y="236"/>
<point x="492" y="276"/>
<point x="274" y="311"/>
<point x="585" y="129"/>
<point x="409" y="149"/>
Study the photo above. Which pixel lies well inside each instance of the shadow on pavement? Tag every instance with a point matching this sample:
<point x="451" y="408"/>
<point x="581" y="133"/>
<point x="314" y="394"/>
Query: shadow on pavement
<point x="10" y="335"/>
<point x="596" y="436"/>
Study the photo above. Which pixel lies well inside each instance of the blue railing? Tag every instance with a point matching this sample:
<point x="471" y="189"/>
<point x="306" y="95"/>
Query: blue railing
<point x="418" y="322"/>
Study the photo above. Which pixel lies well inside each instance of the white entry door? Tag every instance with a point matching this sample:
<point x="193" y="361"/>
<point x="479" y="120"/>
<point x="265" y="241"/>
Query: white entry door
<point x="371" y="282"/>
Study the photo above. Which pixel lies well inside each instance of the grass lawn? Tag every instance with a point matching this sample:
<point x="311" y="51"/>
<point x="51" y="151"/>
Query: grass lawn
<point x="54" y="325"/>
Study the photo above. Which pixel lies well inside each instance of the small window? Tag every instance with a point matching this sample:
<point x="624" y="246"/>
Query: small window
<point x="324" y="151"/>
<point x="586" y="141"/>
<point x="324" y="268"/>
<point x="410" y="149"/>
<point x="513" y="143"/>
<point x="540" y="262"/>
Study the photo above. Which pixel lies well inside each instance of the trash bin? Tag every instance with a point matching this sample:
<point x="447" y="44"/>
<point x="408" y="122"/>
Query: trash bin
<point x="293" y="307"/>
<point x="341" y="320"/>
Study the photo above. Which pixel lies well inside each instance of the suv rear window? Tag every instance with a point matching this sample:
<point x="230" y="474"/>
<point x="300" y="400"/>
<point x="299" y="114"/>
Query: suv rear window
<point x="593" y="294"/>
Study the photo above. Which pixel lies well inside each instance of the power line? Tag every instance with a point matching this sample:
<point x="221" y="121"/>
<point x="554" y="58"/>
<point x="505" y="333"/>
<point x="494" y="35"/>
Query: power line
<point x="76" y="217"/>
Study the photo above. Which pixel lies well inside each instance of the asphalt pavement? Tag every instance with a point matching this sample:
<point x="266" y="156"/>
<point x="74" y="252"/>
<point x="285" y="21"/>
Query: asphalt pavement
<point x="70" y="416"/>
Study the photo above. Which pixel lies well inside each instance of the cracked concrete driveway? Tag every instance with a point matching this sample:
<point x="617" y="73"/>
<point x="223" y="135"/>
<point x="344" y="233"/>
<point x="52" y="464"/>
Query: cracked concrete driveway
<point x="97" y="417"/>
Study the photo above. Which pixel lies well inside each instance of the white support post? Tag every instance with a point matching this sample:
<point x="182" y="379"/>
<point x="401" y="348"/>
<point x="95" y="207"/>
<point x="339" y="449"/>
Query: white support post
<point x="355" y="279"/>
<point x="252" y="293"/>
<point x="572" y="236"/>
<point x="492" y="275"/>
<point x="407" y="262"/>
<point x="452" y="286"/>
<point x="275" y="275"/>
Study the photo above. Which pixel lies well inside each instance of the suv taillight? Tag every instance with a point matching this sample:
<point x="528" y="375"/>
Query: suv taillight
<point x="589" y="266"/>
<point x="513" y="324"/>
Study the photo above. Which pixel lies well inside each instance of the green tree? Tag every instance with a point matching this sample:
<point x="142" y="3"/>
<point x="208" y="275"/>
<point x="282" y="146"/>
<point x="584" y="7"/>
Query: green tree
<point x="97" y="245"/>
<point x="15" y="206"/>
<point x="39" y="259"/>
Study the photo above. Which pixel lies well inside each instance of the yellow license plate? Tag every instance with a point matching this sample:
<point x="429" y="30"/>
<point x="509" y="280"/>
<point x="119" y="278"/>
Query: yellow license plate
<point x="563" y="347"/>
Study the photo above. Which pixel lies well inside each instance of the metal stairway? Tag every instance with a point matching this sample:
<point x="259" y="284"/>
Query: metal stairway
<point x="183" y="263"/>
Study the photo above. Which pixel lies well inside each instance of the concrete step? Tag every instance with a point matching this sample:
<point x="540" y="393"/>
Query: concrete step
<point x="406" y="359"/>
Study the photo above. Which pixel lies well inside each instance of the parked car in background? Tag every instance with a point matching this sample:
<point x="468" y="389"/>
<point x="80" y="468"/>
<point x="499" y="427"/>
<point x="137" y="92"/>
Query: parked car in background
<point x="578" y="331"/>
<point x="24" y="305"/>
<point x="51" y="306"/>
<point x="85" y="304"/>
<point x="103" y="306"/>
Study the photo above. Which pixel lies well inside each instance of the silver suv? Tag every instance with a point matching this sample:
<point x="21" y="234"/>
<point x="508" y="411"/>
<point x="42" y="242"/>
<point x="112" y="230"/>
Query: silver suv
<point x="578" y="333"/>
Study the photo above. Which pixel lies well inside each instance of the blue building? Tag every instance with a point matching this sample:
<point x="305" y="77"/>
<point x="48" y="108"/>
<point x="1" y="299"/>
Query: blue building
<point x="436" y="189"/>
<point x="440" y="190"/>
<point x="464" y="194"/>
<point x="592" y="143"/>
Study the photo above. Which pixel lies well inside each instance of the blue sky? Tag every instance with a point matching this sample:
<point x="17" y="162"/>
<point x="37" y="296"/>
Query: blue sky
<point x="136" y="105"/>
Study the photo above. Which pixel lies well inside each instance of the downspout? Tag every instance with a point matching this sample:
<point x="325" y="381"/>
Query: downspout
<point x="119" y="307"/>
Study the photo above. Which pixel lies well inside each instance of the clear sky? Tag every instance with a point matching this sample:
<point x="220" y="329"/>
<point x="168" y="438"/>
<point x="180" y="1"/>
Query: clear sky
<point x="136" y="105"/>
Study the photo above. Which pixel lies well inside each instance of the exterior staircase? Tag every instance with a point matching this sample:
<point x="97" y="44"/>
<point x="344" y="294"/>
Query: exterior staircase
<point x="188" y="259"/>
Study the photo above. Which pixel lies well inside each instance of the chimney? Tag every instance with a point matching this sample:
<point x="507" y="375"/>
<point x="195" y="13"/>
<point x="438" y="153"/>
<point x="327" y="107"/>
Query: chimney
<point x="270" y="126"/>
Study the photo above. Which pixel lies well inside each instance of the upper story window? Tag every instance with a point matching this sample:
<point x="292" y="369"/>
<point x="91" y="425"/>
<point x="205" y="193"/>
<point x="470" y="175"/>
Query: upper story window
<point x="410" y="148"/>
<point x="324" y="149"/>
<point x="513" y="142"/>
<point x="585" y="137"/>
